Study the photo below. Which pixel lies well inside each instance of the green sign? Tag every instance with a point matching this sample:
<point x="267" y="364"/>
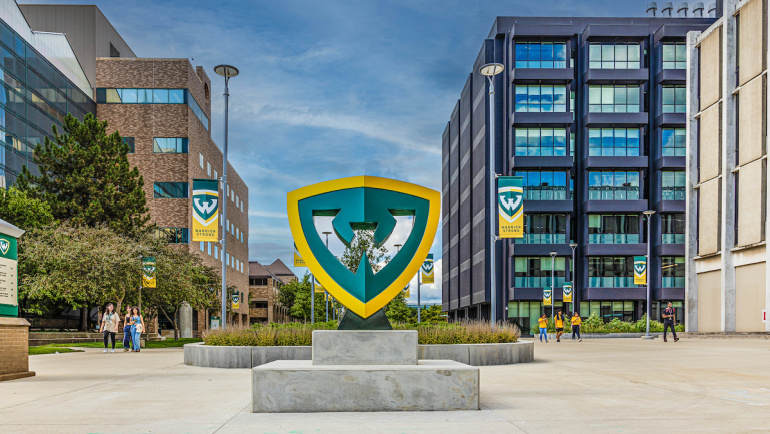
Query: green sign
<point x="9" y="297"/>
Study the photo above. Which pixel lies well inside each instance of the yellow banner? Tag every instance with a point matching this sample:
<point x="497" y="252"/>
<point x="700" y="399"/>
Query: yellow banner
<point x="567" y="292"/>
<point x="640" y="270"/>
<point x="205" y="208"/>
<point x="407" y="291"/>
<point x="547" y="297"/>
<point x="298" y="261"/>
<point x="319" y="288"/>
<point x="510" y="206"/>
<point x="427" y="270"/>
<point x="236" y="301"/>
<point x="148" y="272"/>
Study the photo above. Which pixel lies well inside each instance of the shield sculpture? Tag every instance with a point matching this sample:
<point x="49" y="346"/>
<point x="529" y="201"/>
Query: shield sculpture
<point x="363" y="203"/>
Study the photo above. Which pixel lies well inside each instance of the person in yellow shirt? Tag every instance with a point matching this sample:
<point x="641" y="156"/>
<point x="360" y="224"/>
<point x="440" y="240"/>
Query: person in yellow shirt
<point x="576" y="327"/>
<point x="543" y="323"/>
<point x="559" y="320"/>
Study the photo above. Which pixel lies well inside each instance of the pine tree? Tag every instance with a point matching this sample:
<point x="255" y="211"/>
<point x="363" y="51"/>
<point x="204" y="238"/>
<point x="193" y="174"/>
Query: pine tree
<point x="86" y="179"/>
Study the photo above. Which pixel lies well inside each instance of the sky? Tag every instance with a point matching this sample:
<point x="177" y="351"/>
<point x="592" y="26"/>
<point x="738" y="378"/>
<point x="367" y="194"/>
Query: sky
<point x="329" y="89"/>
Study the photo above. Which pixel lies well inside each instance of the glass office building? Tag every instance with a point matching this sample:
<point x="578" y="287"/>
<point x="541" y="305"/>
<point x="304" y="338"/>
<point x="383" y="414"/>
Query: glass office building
<point x="36" y="94"/>
<point x="590" y="112"/>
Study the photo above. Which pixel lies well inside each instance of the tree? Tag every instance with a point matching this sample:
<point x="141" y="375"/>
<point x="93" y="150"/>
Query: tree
<point x="433" y="314"/>
<point x="295" y="296"/>
<point x="18" y="209"/>
<point x="86" y="178"/>
<point x="398" y="311"/>
<point x="363" y="244"/>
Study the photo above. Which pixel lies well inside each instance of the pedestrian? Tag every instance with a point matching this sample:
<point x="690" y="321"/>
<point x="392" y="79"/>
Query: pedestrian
<point x="559" y="326"/>
<point x="127" y="330"/>
<point x="576" y="321"/>
<point x="669" y="320"/>
<point x="137" y="327"/>
<point x="543" y="323"/>
<point x="109" y="326"/>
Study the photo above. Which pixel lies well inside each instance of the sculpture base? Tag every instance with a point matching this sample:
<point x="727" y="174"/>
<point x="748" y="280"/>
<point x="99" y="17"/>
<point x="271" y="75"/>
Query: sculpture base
<point x="378" y="321"/>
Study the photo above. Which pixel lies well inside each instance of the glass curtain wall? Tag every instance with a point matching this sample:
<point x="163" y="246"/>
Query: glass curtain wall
<point x="611" y="271"/>
<point x="673" y="185"/>
<point x="672" y="270"/>
<point x="544" y="229"/>
<point x="541" y="55"/>
<point x="545" y="185"/>
<point x="541" y="98"/>
<point x="541" y="142"/>
<point x="673" y="228"/>
<point x="608" y="55"/>
<point x="617" y="142"/>
<point x="535" y="271"/>
<point x="613" y="185"/>
<point x="613" y="99"/>
<point x="613" y="229"/>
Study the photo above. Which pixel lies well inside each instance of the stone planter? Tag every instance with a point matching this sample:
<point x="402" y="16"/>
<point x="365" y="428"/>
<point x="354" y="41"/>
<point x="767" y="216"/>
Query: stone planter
<point x="248" y="357"/>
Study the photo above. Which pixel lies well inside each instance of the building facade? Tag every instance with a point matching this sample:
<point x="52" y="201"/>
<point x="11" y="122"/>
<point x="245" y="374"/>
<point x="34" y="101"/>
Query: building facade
<point x="727" y="289"/>
<point x="590" y="112"/>
<point x="264" y="284"/>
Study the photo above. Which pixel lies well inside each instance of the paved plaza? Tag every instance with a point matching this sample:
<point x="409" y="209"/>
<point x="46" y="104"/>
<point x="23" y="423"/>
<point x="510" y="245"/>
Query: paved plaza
<point x="598" y="385"/>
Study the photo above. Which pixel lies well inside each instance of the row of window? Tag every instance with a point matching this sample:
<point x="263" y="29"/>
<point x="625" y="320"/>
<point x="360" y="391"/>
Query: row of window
<point x="601" y="55"/>
<point x="231" y="193"/>
<point x="602" y="185"/>
<point x="601" y="98"/>
<point x="209" y="248"/>
<point x="152" y="96"/>
<point x="617" y="142"/>
<point x="545" y="185"/>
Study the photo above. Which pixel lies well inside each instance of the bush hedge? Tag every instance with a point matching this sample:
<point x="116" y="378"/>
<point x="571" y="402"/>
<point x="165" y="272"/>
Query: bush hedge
<point x="594" y="324"/>
<point x="301" y="334"/>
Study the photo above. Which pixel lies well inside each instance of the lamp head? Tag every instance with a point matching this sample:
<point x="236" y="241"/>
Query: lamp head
<point x="553" y="254"/>
<point x="226" y="71"/>
<point x="491" y="69"/>
<point x="573" y="245"/>
<point x="648" y="212"/>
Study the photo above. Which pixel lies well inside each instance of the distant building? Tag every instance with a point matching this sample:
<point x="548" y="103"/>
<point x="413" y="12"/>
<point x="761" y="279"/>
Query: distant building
<point x="727" y="288"/>
<point x="264" y="284"/>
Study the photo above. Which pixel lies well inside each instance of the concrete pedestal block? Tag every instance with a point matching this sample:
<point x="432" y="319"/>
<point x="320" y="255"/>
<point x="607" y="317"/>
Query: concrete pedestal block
<point x="299" y="386"/>
<point x="185" y="321"/>
<point x="364" y="347"/>
<point x="14" y="349"/>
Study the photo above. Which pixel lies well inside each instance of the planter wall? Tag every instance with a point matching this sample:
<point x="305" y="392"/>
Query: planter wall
<point x="248" y="357"/>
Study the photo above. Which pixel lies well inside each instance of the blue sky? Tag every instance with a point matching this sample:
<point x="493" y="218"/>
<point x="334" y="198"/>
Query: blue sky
<point x="330" y="88"/>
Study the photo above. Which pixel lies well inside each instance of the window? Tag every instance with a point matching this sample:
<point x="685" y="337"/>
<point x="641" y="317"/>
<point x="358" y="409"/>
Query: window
<point x="140" y="96"/>
<point x="216" y="252"/>
<point x="613" y="185"/>
<point x="672" y="270"/>
<point x="674" y="142"/>
<point x="208" y="247"/>
<point x="241" y="206"/>
<point x="535" y="271"/>
<point x="258" y="305"/>
<point x="202" y="247"/>
<point x="171" y="190"/>
<point x="673" y="183"/>
<point x="675" y="56"/>
<point x="208" y="168"/>
<point x="613" y="99"/>
<point x="258" y="281"/>
<point x="200" y="159"/>
<point x="614" y="56"/>
<point x="169" y="145"/>
<point x="613" y="229"/>
<point x="674" y="99"/>
<point x="544" y="229"/>
<point x="611" y="272"/>
<point x="536" y="98"/>
<point x="197" y="111"/>
<point x="131" y="144"/>
<point x="237" y="199"/>
<point x="545" y="185"/>
<point x="241" y="236"/>
<point x="544" y="142"/>
<point x="608" y="310"/>
<point x="216" y="176"/>
<point x="174" y="235"/>
<point x="541" y="55"/>
<point x="673" y="226"/>
<point x="618" y="142"/>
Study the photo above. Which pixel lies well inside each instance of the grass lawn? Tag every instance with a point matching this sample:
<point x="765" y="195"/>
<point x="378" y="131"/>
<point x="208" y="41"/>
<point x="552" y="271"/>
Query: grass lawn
<point x="168" y="343"/>
<point x="34" y="351"/>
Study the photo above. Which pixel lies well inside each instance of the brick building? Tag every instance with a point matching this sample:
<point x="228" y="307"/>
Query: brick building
<point x="264" y="283"/>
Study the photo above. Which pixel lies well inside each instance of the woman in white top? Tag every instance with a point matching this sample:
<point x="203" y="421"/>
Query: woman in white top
<point x="109" y="327"/>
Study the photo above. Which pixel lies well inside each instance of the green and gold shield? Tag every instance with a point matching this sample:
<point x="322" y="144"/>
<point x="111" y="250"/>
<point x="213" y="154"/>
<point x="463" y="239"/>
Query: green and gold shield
<point x="363" y="203"/>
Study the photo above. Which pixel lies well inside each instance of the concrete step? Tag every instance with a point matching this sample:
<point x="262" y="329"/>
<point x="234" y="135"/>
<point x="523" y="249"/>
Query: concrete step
<point x="726" y="335"/>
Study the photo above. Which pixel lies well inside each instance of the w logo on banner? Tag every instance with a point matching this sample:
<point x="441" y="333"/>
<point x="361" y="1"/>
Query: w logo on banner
<point x="640" y="270"/>
<point x="510" y="206"/>
<point x="547" y="297"/>
<point x="148" y="272"/>
<point x="567" y="292"/>
<point x="205" y="208"/>
<point x="427" y="270"/>
<point x="4" y="246"/>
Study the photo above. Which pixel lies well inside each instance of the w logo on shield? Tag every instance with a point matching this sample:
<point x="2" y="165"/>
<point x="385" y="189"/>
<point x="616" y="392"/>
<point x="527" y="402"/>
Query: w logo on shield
<point x="4" y="246"/>
<point x="205" y="205"/>
<point x="509" y="203"/>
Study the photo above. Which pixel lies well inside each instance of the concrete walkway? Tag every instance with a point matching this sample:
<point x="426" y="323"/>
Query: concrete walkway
<point x="598" y="385"/>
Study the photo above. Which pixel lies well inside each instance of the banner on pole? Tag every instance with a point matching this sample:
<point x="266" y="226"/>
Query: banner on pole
<point x="510" y="206"/>
<point x="298" y="261"/>
<point x="148" y="272"/>
<point x="236" y="300"/>
<point x="205" y="198"/>
<point x="318" y="287"/>
<point x="407" y="292"/>
<point x="567" y="292"/>
<point x="547" y="296"/>
<point x="427" y="270"/>
<point x="640" y="270"/>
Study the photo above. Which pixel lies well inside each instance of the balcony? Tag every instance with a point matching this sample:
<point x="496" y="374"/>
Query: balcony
<point x="670" y="120"/>
<point x="672" y="282"/>
<point x="541" y="118"/>
<point x="673" y="238"/>
<point x="542" y="75"/>
<point x="611" y="282"/>
<point x="613" y="162"/>
<point x="617" y="76"/>
<point x="616" y="120"/>
<point x="614" y="293"/>
<point x="672" y="76"/>
<point x="538" y="282"/>
<point x="527" y="161"/>
<point x="542" y="239"/>
<point x="613" y="238"/>
<point x="669" y="162"/>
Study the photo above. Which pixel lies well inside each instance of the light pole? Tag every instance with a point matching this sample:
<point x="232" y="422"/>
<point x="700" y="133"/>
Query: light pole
<point x="649" y="214"/>
<point x="225" y="71"/>
<point x="553" y="267"/>
<point x="326" y="293"/>
<point x="490" y="70"/>
<point x="572" y="276"/>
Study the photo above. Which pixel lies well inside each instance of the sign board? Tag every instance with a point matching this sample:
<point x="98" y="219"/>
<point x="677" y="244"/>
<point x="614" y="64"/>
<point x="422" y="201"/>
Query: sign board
<point x="567" y="292"/>
<point x="205" y="206"/>
<point x="214" y="323"/>
<point x="427" y="270"/>
<point x="547" y="297"/>
<point x="510" y="206"/>
<point x="9" y="274"/>
<point x="640" y="270"/>
<point x="148" y="272"/>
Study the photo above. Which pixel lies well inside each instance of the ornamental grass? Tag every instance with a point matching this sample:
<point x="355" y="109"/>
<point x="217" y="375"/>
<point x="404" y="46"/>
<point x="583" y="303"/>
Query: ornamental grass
<point x="301" y="334"/>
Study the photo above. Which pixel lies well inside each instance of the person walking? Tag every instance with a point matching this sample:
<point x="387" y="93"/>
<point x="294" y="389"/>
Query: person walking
<point x="559" y="321"/>
<point x="669" y="320"/>
<point x="543" y="323"/>
<point x="137" y="327"/>
<point x="109" y="326"/>
<point x="127" y="330"/>
<point x="576" y="321"/>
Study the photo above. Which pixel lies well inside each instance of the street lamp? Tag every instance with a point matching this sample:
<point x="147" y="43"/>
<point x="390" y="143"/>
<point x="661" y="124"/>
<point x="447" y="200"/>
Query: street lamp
<point x="649" y="214"/>
<point x="326" y="293"/>
<point x="553" y="267"/>
<point x="490" y="70"/>
<point x="572" y="276"/>
<point x="225" y="71"/>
